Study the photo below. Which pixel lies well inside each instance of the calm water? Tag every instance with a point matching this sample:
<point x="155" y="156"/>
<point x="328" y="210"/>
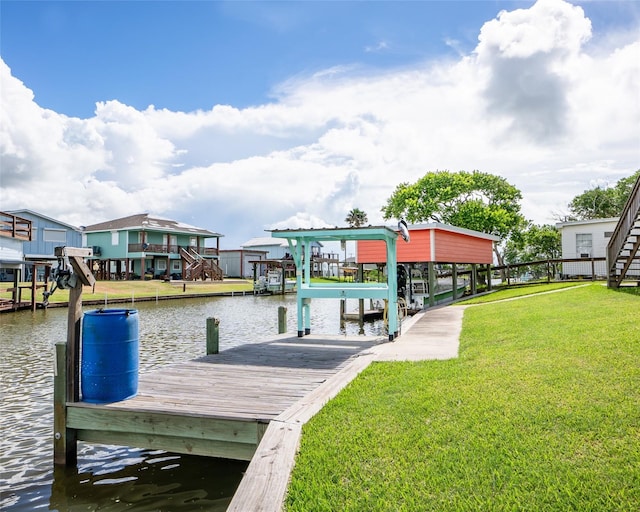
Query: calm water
<point x="115" y="478"/>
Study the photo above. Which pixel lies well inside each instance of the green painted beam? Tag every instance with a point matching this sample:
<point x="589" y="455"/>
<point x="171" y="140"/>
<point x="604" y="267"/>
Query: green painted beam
<point x="344" y="292"/>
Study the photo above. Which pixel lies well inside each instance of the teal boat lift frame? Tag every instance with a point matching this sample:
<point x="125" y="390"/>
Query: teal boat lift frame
<point x="306" y="290"/>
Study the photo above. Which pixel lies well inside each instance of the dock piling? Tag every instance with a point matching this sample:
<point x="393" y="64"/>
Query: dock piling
<point x="282" y="319"/>
<point x="213" y="335"/>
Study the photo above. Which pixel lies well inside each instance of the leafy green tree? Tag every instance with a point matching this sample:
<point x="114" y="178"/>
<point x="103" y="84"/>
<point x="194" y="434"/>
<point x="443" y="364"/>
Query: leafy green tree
<point x="602" y="202"/>
<point x="473" y="200"/>
<point x="534" y="243"/>
<point x="356" y="218"/>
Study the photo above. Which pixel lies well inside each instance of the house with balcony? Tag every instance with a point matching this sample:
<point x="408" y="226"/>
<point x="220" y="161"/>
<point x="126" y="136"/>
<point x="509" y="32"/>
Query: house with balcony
<point x="144" y="246"/>
<point x="14" y="232"/>
<point x="46" y="234"/>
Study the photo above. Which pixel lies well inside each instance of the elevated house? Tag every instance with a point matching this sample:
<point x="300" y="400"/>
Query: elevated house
<point x="46" y="235"/>
<point x="145" y="246"/>
<point x="14" y="232"/>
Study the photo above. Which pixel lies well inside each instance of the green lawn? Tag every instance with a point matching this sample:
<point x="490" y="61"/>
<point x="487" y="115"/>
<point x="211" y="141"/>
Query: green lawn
<point x="519" y="291"/>
<point x="137" y="289"/>
<point x="541" y="411"/>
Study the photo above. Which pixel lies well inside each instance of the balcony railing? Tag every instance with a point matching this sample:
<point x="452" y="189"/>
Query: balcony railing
<point x="15" y="227"/>
<point x="167" y="249"/>
<point x="154" y="248"/>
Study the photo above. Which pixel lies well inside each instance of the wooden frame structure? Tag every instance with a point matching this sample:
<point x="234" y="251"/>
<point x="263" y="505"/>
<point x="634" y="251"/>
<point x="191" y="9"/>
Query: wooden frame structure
<point x="306" y="290"/>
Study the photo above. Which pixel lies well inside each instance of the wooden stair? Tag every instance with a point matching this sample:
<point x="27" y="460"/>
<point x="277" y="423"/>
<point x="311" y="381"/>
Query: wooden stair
<point x="623" y="251"/>
<point x="197" y="267"/>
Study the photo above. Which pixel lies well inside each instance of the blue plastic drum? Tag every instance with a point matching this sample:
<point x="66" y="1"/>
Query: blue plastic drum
<point x="109" y="362"/>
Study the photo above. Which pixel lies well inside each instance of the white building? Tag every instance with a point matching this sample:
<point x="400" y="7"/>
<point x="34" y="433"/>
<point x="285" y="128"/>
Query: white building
<point x="238" y="262"/>
<point x="586" y="239"/>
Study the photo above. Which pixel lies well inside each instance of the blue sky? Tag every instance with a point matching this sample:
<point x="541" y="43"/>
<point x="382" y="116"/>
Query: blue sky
<point x="332" y="103"/>
<point x="193" y="55"/>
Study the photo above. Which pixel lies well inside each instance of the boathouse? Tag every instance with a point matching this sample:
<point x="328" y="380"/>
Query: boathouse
<point x="435" y="249"/>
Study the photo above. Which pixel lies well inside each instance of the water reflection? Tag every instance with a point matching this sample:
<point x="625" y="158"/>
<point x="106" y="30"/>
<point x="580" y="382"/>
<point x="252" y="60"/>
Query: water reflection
<point x="117" y="478"/>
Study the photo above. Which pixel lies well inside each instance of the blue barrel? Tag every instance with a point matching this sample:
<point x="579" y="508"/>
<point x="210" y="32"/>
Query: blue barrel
<point x="109" y="361"/>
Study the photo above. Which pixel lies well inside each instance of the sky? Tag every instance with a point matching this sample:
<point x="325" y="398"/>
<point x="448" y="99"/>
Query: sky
<point x="240" y="117"/>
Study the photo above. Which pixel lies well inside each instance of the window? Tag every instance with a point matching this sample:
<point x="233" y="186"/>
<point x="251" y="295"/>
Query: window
<point x="584" y="245"/>
<point x="193" y="242"/>
<point x="54" y="235"/>
<point x="608" y="234"/>
<point x="115" y="239"/>
<point x="175" y="265"/>
<point x="161" y="265"/>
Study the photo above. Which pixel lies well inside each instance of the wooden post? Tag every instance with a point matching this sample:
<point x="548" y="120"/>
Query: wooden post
<point x="282" y="319"/>
<point x="15" y="292"/>
<point x="548" y="272"/>
<point x="74" y="318"/>
<point x="284" y="280"/>
<point x="343" y="308"/>
<point x="360" y="301"/>
<point x="67" y="382"/>
<point x="213" y="335"/>
<point x="64" y="441"/>
<point x="593" y="269"/>
<point x="34" y="272"/>
<point x="454" y="281"/>
<point x="474" y="279"/>
<point x="433" y="283"/>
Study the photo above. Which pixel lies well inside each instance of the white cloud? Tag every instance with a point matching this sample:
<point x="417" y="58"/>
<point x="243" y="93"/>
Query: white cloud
<point x="530" y="104"/>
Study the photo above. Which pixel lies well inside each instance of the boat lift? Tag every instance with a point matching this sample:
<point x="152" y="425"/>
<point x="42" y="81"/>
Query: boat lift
<point x="306" y="290"/>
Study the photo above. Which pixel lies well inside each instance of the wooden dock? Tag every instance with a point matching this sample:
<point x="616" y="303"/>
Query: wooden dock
<point x="217" y="405"/>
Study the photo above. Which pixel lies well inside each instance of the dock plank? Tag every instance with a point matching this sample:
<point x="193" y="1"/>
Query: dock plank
<point x="183" y="407"/>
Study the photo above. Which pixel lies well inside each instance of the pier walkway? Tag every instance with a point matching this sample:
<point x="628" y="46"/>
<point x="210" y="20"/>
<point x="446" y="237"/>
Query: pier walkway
<point x="432" y="334"/>
<point x="218" y="405"/>
<point x="248" y="402"/>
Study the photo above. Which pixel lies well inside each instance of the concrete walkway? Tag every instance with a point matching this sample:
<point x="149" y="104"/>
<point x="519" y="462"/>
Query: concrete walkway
<point x="432" y="334"/>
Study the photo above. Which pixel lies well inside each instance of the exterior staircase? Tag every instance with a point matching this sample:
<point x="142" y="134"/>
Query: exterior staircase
<point x="623" y="251"/>
<point x="197" y="267"/>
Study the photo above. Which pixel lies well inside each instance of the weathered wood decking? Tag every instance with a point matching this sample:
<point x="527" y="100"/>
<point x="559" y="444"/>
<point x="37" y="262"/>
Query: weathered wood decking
<point x="219" y="405"/>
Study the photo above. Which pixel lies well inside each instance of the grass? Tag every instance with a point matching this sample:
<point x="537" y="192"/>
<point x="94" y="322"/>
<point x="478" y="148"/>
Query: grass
<point x="139" y="289"/>
<point x="519" y="291"/>
<point x="539" y="412"/>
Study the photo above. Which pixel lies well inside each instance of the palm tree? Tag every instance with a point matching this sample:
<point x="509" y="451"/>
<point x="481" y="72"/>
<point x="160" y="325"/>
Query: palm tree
<point x="356" y="218"/>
